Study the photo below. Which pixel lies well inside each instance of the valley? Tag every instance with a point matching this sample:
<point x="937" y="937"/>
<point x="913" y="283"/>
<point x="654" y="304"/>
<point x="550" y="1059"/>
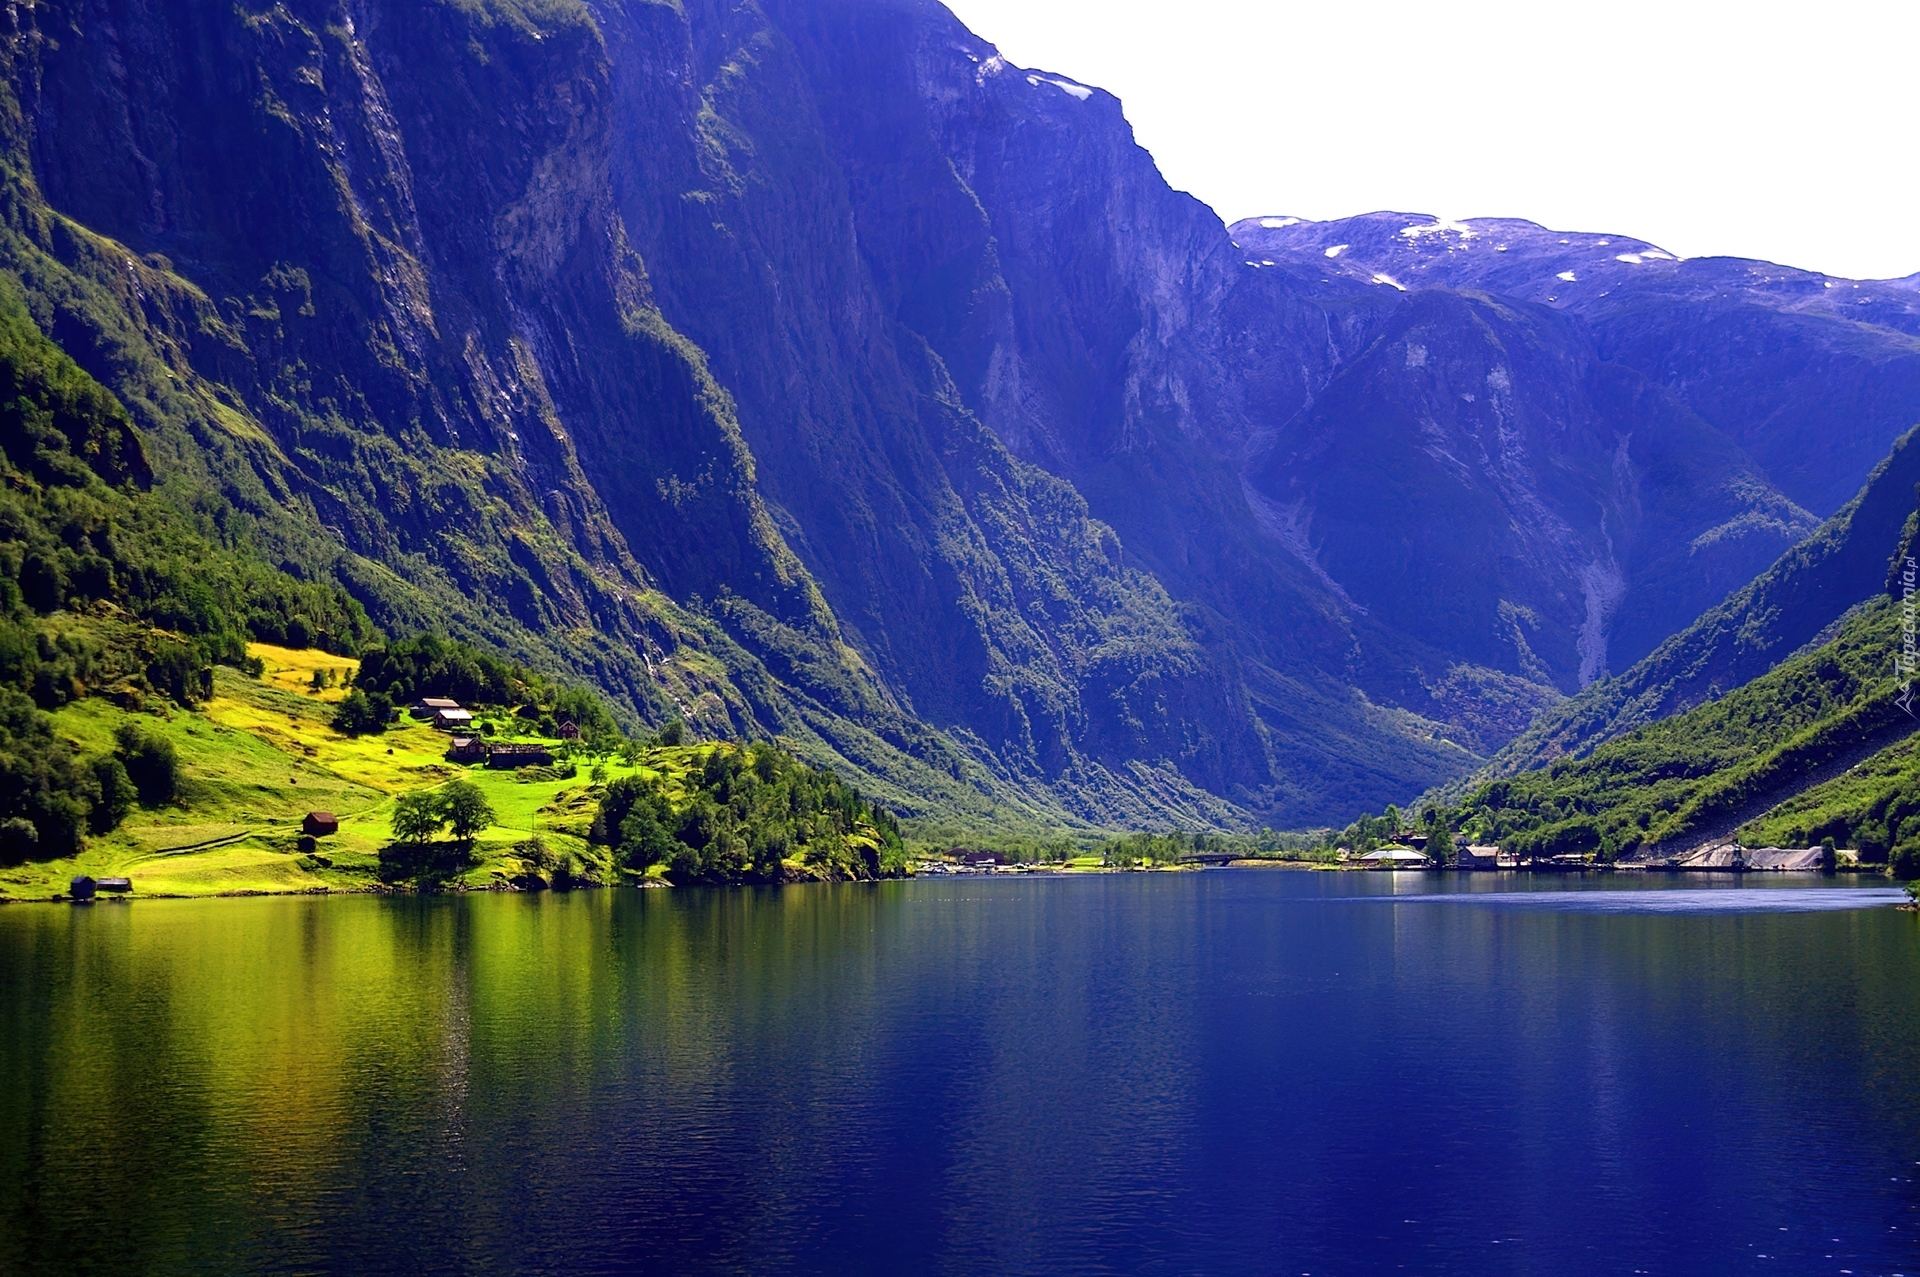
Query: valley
<point x="811" y="374"/>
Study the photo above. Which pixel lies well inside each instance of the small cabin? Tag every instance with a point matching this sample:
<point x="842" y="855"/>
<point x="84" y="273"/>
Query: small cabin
<point x="119" y="886"/>
<point x="569" y="731"/>
<point x="467" y="749"/>
<point x="318" y="824"/>
<point x="81" y="887"/>
<point x="427" y="706"/>
<point x="452" y="720"/>
<point x="1479" y="856"/>
<point x="517" y="755"/>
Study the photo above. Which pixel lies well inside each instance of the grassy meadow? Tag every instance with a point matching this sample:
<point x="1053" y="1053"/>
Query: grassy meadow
<point x="261" y="753"/>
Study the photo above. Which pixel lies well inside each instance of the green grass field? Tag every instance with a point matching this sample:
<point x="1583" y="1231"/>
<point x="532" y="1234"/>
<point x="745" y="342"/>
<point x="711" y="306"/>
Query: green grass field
<point x="261" y="754"/>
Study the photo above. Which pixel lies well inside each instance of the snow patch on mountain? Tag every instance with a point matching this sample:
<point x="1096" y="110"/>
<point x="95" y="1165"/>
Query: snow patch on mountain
<point x="1439" y="226"/>
<point x="1080" y="91"/>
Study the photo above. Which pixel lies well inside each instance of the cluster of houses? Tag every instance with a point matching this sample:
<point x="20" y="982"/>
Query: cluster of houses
<point x="450" y="716"/>
<point x="1408" y="851"/>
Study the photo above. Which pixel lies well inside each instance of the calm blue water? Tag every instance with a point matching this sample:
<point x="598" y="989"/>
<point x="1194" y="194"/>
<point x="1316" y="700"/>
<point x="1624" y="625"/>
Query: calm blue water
<point x="1238" y="1071"/>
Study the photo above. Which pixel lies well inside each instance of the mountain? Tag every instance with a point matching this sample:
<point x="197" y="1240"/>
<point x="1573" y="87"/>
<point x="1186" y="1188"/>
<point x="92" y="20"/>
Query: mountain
<point x="1780" y="717"/>
<point x="1798" y="602"/>
<point x="1820" y="746"/>
<point x="1811" y="375"/>
<point x="804" y="369"/>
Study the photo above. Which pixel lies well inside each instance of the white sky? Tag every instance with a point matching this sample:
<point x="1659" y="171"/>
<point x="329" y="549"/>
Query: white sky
<point x="1769" y="130"/>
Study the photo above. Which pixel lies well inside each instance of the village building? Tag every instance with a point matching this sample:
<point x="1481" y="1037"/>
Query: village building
<point x="1395" y="858"/>
<point x="1479" y="856"/>
<point x="319" y="824"/>
<point x="427" y="706"/>
<point x="519" y="755"/>
<point x="569" y="731"/>
<point x="467" y="749"/>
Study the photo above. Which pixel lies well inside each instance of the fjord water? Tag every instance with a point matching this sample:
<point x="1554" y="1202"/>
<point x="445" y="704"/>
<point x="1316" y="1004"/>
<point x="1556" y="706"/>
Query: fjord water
<point x="1219" y="1072"/>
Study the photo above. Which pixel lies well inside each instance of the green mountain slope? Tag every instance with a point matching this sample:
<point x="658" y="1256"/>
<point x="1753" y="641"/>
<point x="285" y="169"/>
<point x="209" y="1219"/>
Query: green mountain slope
<point x="1819" y="746"/>
<point x="1702" y="775"/>
<point x="1797" y="601"/>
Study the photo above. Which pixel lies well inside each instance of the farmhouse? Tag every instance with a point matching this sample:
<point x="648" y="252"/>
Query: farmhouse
<point x="467" y="749"/>
<point x="427" y="706"/>
<point x="518" y="755"/>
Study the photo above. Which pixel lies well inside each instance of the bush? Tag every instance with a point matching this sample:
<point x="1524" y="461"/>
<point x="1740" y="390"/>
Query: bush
<point x="151" y="763"/>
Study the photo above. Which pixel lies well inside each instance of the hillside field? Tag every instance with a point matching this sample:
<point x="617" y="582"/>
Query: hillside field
<point x="261" y="754"/>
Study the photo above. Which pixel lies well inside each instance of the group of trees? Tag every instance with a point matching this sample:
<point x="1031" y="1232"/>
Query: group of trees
<point x="51" y="797"/>
<point x="749" y="811"/>
<point x="460" y="805"/>
<point x="432" y="665"/>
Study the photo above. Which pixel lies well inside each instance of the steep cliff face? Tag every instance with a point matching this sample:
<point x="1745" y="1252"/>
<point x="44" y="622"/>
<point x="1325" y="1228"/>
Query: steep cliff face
<point x="1480" y="477"/>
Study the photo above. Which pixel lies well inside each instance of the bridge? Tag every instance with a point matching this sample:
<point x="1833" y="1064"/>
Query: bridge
<point x="1210" y="857"/>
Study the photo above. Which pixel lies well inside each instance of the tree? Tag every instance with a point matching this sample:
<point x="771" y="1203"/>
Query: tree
<point x="417" y="817"/>
<point x="466" y="809"/>
<point x="117" y="793"/>
<point x="361" y="714"/>
<point x="150" y="762"/>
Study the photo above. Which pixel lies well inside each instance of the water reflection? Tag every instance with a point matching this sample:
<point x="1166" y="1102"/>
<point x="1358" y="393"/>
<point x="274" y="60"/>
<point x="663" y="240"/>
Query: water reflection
<point x="1223" y="1072"/>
